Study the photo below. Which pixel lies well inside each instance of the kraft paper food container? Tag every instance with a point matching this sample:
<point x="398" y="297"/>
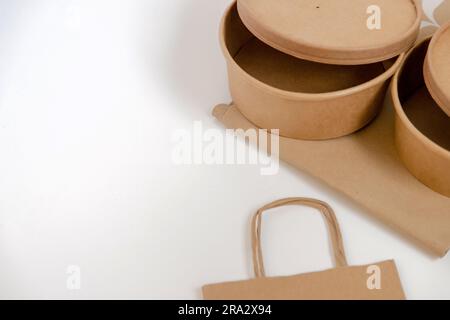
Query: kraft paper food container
<point x="437" y="68"/>
<point x="303" y="99"/>
<point x="421" y="127"/>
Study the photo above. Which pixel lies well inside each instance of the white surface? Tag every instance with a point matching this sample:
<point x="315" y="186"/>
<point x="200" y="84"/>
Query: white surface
<point x="90" y="93"/>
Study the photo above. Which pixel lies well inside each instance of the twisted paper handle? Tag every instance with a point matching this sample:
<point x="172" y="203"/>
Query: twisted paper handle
<point x="327" y="211"/>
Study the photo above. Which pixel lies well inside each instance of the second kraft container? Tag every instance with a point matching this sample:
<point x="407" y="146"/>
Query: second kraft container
<point x="422" y="124"/>
<point x="315" y="69"/>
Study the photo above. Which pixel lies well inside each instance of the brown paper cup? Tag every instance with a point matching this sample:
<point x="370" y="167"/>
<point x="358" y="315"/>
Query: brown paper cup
<point x="303" y="99"/>
<point x="421" y="128"/>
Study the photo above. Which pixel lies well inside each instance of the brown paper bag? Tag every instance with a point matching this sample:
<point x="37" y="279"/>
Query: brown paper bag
<point x="372" y="282"/>
<point x="365" y="167"/>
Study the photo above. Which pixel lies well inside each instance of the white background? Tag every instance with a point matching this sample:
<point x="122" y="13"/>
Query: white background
<point x="90" y="94"/>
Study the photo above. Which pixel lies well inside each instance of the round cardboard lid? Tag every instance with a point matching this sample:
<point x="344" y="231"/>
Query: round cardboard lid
<point x="346" y="32"/>
<point x="437" y="68"/>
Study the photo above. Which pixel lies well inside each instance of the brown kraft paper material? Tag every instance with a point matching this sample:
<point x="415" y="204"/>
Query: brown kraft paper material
<point x="365" y="167"/>
<point x="342" y="283"/>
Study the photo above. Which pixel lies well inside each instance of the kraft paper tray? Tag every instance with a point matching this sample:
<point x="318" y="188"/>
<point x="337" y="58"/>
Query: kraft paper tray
<point x="365" y="167"/>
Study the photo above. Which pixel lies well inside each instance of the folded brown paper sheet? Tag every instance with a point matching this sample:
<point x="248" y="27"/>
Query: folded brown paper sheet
<point x="442" y="13"/>
<point x="365" y="167"/>
<point x="341" y="283"/>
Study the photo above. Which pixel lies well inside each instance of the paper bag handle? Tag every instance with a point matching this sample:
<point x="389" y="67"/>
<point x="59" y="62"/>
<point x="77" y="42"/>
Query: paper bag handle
<point x="327" y="211"/>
